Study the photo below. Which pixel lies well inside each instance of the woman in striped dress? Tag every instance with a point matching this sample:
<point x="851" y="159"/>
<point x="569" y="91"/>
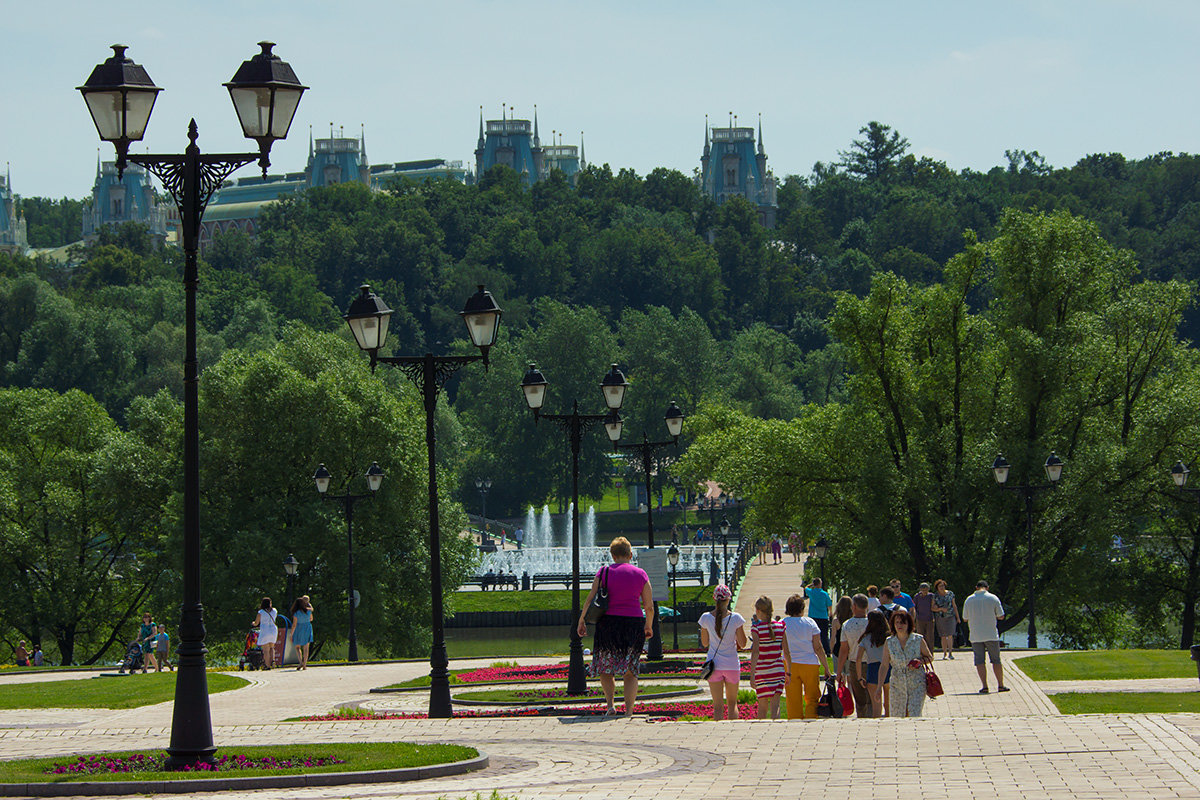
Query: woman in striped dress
<point x="768" y="658"/>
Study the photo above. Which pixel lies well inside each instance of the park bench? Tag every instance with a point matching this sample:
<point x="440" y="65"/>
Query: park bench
<point x="555" y="577"/>
<point x="505" y="581"/>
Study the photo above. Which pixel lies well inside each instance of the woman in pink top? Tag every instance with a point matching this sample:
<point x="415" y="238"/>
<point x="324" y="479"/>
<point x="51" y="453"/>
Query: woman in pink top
<point x="624" y="628"/>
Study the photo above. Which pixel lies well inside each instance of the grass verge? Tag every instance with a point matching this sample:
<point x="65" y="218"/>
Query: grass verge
<point x="1095" y="665"/>
<point x="550" y="599"/>
<point x="127" y="691"/>
<point x="1126" y="702"/>
<point x="357" y="757"/>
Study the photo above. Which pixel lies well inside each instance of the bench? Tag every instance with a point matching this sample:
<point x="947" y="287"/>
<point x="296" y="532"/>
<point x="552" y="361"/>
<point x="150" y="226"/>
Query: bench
<point x="556" y="577"/>
<point x="485" y="582"/>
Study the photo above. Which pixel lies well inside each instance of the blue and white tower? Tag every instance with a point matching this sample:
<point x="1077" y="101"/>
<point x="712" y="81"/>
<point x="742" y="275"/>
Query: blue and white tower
<point x="732" y="166"/>
<point x="12" y="228"/>
<point x="130" y="198"/>
<point x="512" y="142"/>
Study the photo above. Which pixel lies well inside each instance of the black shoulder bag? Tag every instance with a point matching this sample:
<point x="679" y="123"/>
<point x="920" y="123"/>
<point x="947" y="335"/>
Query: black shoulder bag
<point x="599" y="605"/>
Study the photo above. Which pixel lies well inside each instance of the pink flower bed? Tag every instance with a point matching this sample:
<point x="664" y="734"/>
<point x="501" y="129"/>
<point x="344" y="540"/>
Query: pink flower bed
<point x="558" y="672"/>
<point x="102" y="764"/>
<point x="665" y="711"/>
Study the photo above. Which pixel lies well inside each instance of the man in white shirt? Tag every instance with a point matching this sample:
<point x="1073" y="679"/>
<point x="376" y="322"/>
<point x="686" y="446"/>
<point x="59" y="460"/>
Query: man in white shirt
<point x="847" y="664"/>
<point x="981" y="611"/>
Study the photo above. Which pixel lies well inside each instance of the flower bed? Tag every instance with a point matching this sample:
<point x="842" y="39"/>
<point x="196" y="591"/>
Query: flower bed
<point x="558" y="672"/>
<point x="664" y="711"/>
<point x="142" y="762"/>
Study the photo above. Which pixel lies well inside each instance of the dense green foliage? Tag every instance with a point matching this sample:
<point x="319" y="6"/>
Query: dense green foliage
<point x="853" y="372"/>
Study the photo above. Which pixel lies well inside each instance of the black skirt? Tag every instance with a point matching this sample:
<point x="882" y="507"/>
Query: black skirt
<point x="617" y="645"/>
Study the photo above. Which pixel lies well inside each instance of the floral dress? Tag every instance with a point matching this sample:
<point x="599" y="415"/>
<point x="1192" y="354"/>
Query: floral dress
<point x="908" y="684"/>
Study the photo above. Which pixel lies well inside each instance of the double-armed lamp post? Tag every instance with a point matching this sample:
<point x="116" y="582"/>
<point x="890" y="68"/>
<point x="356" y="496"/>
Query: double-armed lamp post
<point x="1054" y="467"/>
<point x="368" y="319"/>
<point x="120" y="96"/>
<point x="374" y="477"/>
<point x="613" y="387"/>
<point x="646" y="452"/>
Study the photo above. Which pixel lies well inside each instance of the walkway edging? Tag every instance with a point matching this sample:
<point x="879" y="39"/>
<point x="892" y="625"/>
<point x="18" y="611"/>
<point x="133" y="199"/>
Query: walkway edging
<point x="189" y="785"/>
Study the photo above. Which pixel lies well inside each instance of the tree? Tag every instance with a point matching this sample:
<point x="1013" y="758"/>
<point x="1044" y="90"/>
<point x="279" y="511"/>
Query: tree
<point x="876" y="155"/>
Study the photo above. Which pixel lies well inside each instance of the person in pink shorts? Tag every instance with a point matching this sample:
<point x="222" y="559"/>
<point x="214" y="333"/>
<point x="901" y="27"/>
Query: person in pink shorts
<point x="723" y="633"/>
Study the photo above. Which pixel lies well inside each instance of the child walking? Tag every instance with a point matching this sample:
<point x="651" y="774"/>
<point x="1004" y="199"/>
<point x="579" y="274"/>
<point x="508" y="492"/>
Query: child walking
<point x="768" y="658"/>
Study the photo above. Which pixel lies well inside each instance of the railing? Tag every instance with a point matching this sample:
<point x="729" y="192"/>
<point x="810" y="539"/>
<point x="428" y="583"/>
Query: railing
<point x="740" y="562"/>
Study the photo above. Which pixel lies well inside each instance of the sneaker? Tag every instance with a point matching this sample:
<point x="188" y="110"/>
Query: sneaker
<point x="952" y="656"/>
<point x="984" y="690"/>
<point x="1003" y="689"/>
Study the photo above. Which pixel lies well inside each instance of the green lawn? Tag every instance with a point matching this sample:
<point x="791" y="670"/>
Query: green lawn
<point x="550" y="599"/>
<point x="357" y="757"/>
<point x="514" y="695"/>
<point x="1109" y="665"/>
<point x="126" y="691"/>
<point x="1126" y="702"/>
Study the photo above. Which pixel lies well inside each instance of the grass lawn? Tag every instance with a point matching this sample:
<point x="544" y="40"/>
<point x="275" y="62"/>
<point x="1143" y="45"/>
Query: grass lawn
<point x="357" y="757"/>
<point x="549" y="600"/>
<point x="1126" y="702"/>
<point x="126" y="691"/>
<point x="1109" y="665"/>
<point x="522" y="695"/>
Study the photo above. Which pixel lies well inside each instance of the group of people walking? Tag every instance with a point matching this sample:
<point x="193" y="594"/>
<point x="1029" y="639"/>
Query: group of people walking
<point x="882" y="642"/>
<point x="266" y="618"/>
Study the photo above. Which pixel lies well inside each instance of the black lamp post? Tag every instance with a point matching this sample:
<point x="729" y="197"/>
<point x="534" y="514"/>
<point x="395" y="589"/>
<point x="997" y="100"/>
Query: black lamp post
<point x="647" y="450"/>
<point x="673" y="560"/>
<point x="120" y="96"/>
<point x="725" y="548"/>
<point x="368" y="319"/>
<point x="290" y="567"/>
<point x="1054" y="467"/>
<point x="374" y="477"/>
<point x="820" y="549"/>
<point x="484" y="485"/>
<point x="1179" y="473"/>
<point x="613" y="387"/>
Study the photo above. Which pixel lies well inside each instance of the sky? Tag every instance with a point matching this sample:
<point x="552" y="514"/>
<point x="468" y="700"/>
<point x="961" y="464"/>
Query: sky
<point x="962" y="81"/>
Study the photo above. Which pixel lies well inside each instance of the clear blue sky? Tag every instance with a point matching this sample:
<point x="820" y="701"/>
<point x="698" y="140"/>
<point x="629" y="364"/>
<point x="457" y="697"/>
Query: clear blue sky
<point x="963" y="81"/>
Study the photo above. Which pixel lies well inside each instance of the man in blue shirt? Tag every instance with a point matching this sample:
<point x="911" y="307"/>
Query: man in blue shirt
<point x="902" y="598"/>
<point x="819" y="605"/>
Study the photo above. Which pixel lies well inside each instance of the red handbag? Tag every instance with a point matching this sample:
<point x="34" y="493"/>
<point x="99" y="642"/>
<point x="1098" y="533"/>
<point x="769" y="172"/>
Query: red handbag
<point x="933" y="684"/>
<point x="847" y="698"/>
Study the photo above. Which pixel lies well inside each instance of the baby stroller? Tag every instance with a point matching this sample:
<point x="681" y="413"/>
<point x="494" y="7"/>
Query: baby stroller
<point x="252" y="656"/>
<point x="134" y="660"/>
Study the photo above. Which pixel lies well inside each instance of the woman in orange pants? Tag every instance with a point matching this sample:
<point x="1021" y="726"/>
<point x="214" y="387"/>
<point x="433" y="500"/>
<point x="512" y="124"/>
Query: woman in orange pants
<point x="806" y="652"/>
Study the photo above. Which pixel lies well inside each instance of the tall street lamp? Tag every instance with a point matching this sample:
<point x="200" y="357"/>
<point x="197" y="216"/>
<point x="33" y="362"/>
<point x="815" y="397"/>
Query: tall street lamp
<point x="1054" y="467"/>
<point x="290" y="567"/>
<point x="1179" y="473"/>
<point x="647" y="451"/>
<point x="673" y="560"/>
<point x="374" y="477"/>
<point x="120" y="96"/>
<point x="368" y="319"/>
<point x="820" y="549"/>
<point x="613" y="387"/>
<point x="725" y="547"/>
<point x="484" y="485"/>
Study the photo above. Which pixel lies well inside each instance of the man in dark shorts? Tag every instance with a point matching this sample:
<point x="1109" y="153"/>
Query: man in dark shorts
<point x="981" y="611"/>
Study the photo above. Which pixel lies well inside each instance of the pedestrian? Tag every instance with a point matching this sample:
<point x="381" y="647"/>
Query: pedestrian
<point x="852" y="631"/>
<point x="762" y="549"/>
<point x="38" y="658"/>
<point x="264" y="620"/>
<point x="795" y="545"/>
<point x="146" y="634"/>
<point x="923" y="614"/>
<point x="902" y="598"/>
<point x="869" y="656"/>
<point x="624" y="628"/>
<point x="805" y="652"/>
<point x="905" y="655"/>
<point x="982" y="610"/>
<point x="302" y="630"/>
<point x="819" y="605"/>
<point x="945" y="616"/>
<point x="887" y="602"/>
<point x="22" y="655"/>
<point x="872" y="597"/>
<point x="519" y="537"/>
<point x="843" y="611"/>
<point x="769" y="657"/>
<point x="776" y="550"/>
<point x="162" y="649"/>
<point x="722" y="634"/>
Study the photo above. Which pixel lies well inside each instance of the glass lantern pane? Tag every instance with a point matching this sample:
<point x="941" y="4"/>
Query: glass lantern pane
<point x="286" y="103"/>
<point x="482" y="328"/>
<point x="106" y="109"/>
<point x="366" y="332"/>
<point x="253" y="107"/>
<point x="137" y="113"/>
<point x="535" y="395"/>
<point x="614" y="396"/>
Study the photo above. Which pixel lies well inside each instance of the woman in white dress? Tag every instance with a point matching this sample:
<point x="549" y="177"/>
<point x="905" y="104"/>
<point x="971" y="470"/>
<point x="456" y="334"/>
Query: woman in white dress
<point x="268" y="632"/>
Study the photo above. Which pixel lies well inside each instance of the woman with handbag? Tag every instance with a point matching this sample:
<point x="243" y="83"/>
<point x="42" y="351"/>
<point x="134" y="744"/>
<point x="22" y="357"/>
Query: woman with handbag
<point x="723" y="633"/>
<point x="906" y="653"/>
<point x="625" y="626"/>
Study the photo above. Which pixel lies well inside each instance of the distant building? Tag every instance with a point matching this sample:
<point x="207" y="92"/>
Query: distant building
<point x="129" y="199"/>
<point x="517" y="144"/>
<point x="12" y="227"/>
<point x="732" y="166"/>
<point x="338" y="159"/>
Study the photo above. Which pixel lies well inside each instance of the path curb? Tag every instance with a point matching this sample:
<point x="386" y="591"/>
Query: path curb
<point x="188" y="786"/>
